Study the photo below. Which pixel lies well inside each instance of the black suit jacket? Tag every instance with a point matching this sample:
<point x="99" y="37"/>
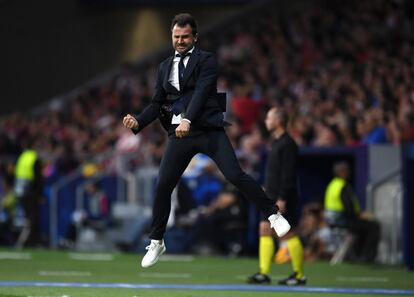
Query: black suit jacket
<point x="204" y="107"/>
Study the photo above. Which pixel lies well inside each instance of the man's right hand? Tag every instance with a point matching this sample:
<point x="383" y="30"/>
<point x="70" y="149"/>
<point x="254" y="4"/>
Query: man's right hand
<point x="130" y="122"/>
<point x="281" y="204"/>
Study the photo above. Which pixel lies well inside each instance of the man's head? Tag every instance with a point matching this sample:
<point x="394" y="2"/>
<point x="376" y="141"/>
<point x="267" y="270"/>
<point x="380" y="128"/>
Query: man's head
<point x="276" y="119"/>
<point x="184" y="32"/>
<point x="341" y="169"/>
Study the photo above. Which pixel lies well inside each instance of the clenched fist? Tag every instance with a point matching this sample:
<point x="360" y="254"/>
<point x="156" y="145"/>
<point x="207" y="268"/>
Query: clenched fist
<point x="183" y="129"/>
<point x="130" y="122"/>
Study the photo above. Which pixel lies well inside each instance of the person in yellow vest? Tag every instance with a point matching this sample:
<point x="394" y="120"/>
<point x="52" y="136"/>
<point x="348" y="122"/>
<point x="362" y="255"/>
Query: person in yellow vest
<point x="342" y="210"/>
<point x="28" y="188"/>
<point x="281" y="186"/>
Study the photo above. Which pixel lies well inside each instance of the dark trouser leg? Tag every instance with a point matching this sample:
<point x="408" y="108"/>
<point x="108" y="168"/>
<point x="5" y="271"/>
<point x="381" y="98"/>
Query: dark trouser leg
<point x="218" y="147"/>
<point x="176" y="158"/>
<point x="32" y="212"/>
<point x="368" y="235"/>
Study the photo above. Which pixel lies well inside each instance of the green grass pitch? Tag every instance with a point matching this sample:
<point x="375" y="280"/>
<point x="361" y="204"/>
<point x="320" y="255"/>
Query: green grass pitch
<point x="67" y="267"/>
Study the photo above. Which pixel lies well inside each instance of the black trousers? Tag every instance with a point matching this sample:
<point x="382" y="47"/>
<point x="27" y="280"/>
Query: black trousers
<point x="215" y="144"/>
<point x="31" y="205"/>
<point x="367" y="236"/>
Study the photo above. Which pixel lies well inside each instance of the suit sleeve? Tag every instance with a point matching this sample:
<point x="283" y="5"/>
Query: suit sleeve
<point x="206" y="82"/>
<point x="288" y="171"/>
<point x="151" y="112"/>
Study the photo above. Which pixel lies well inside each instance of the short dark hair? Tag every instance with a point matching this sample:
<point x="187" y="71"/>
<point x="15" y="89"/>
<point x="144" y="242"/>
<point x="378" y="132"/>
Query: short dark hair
<point x="184" y="19"/>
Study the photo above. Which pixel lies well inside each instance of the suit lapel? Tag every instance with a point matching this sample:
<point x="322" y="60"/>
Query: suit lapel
<point x="166" y="83"/>
<point x="192" y="62"/>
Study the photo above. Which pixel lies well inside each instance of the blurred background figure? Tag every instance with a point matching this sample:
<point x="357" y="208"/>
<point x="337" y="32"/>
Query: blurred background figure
<point x="316" y="235"/>
<point x="29" y="191"/>
<point x="342" y="210"/>
<point x="221" y="225"/>
<point x="8" y="208"/>
<point x="92" y="218"/>
<point x="97" y="206"/>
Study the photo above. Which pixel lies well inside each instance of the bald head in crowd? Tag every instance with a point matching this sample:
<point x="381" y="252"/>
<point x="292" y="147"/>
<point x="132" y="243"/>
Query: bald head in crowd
<point x="276" y="118"/>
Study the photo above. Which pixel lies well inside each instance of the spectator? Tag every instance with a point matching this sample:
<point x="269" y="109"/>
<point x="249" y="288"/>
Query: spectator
<point x="8" y="205"/>
<point x="315" y="233"/>
<point x="95" y="215"/>
<point x="342" y="210"/>
<point x="221" y="226"/>
<point x="29" y="190"/>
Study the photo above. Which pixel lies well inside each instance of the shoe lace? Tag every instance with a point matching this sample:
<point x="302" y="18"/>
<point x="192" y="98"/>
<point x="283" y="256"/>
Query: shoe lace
<point x="151" y="247"/>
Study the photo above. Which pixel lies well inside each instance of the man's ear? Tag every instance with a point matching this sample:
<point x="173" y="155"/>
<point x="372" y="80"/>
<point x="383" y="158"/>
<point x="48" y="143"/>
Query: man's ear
<point x="196" y="37"/>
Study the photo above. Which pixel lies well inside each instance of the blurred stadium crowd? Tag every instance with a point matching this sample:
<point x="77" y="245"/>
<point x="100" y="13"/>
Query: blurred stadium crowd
<point x="343" y="70"/>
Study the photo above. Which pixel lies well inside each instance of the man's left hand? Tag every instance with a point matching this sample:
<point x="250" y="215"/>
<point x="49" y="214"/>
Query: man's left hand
<point x="183" y="129"/>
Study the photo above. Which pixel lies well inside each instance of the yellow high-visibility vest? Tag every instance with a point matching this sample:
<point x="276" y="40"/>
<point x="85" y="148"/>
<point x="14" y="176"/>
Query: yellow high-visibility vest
<point x="333" y="200"/>
<point x="25" y="165"/>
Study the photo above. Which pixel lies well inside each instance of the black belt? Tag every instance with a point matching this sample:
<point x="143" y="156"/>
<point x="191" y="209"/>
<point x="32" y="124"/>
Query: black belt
<point x="172" y="97"/>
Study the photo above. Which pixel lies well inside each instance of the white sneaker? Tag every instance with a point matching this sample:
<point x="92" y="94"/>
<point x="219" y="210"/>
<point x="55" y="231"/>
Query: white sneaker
<point x="279" y="223"/>
<point x="155" y="250"/>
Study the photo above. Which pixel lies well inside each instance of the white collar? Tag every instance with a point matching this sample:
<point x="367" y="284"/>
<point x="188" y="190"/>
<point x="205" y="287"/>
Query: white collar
<point x="189" y="52"/>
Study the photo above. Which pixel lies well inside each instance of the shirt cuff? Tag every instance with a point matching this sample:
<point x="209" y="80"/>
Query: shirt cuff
<point x="187" y="120"/>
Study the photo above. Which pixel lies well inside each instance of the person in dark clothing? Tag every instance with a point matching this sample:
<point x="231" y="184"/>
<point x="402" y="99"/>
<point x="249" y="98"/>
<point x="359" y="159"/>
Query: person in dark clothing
<point x="8" y="203"/>
<point x="280" y="183"/>
<point x="29" y="190"/>
<point x="190" y="109"/>
<point x="221" y="225"/>
<point x="342" y="210"/>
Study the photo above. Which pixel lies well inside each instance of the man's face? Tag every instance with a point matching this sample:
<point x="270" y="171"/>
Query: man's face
<point x="345" y="172"/>
<point x="183" y="39"/>
<point x="271" y="121"/>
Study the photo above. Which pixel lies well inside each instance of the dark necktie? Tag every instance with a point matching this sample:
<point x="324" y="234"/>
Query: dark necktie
<point x="181" y="66"/>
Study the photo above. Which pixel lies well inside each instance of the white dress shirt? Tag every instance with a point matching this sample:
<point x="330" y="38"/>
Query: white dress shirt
<point x="174" y="80"/>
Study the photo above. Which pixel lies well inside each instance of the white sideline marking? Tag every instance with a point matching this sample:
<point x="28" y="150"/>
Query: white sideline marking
<point x="363" y="279"/>
<point x="91" y="257"/>
<point x="176" y="258"/>
<point x="15" y="256"/>
<point x="64" y="273"/>
<point x="47" y="296"/>
<point x="166" y="275"/>
<point x="221" y="287"/>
